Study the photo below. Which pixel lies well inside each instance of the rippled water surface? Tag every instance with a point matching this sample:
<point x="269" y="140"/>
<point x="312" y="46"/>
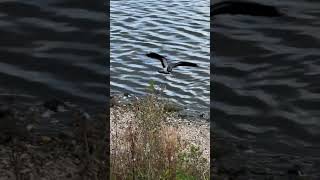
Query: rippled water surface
<point x="266" y="75"/>
<point x="178" y="29"/>
<point x="54" y="48"/>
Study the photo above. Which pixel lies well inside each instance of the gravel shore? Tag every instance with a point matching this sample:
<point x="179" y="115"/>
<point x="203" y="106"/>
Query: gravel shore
<point x="193" y="131"/>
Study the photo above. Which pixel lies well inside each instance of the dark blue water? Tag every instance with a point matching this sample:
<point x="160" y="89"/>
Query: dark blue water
<point x="265" y="78"/>
<point x="54" y="49"/>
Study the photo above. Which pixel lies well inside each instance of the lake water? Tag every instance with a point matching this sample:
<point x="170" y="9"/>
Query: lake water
<point x="265" y="78"/>
<point x="54" y="48"/>
<point x="178" y="29"/>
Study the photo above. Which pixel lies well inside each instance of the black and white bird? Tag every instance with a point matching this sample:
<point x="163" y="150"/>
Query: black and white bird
<point x="167" y="68"/>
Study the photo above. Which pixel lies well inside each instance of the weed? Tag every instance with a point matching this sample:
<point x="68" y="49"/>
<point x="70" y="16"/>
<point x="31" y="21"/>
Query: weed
<point x="147" y="148"/>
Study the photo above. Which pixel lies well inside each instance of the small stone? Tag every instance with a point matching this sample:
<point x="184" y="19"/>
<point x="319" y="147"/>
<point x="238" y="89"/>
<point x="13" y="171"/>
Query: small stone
<point x="47" y="114"/>
<point x="30" y="127"/>
<point x="249" y="151"/>
<point x="61" y="109"/>
<point x="55" y="121"/>
<point x="73" y="142"/>
<point x="86" y="115"/>
<point x="45" y="139"/>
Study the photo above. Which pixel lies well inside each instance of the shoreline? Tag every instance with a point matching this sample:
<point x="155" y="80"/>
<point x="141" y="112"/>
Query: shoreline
<point x="183" y="112"/>
<point x="157" y="139"/>
<point x="194" y="132"/>
<point x="193" y="127"/>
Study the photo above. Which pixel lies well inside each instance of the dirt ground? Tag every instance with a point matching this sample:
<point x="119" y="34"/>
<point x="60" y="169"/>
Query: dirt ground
<point x="51" y="140"/>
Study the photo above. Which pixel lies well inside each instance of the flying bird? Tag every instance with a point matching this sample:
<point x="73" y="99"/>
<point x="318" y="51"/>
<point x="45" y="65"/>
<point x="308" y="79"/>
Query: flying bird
<point x="167" y="68"/>
<point x="244" y="8"/>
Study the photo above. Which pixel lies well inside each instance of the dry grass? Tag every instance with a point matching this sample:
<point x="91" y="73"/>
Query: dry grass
<point x="144" y="147"/>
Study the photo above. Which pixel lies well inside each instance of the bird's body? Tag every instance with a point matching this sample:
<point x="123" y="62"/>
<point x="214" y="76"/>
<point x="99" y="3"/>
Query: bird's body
<point x="167" y="68"/>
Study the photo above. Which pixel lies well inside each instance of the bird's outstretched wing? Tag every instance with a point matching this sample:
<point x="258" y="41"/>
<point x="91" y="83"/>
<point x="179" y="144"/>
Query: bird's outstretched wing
<point x="163" y="59"/>
<point x="183" y="63"/>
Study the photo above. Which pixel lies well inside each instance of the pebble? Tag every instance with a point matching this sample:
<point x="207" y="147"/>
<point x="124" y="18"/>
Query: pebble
<point x="30" y="127"/>
<point x="45" y="139"/>
<point x="47" y="114"/>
